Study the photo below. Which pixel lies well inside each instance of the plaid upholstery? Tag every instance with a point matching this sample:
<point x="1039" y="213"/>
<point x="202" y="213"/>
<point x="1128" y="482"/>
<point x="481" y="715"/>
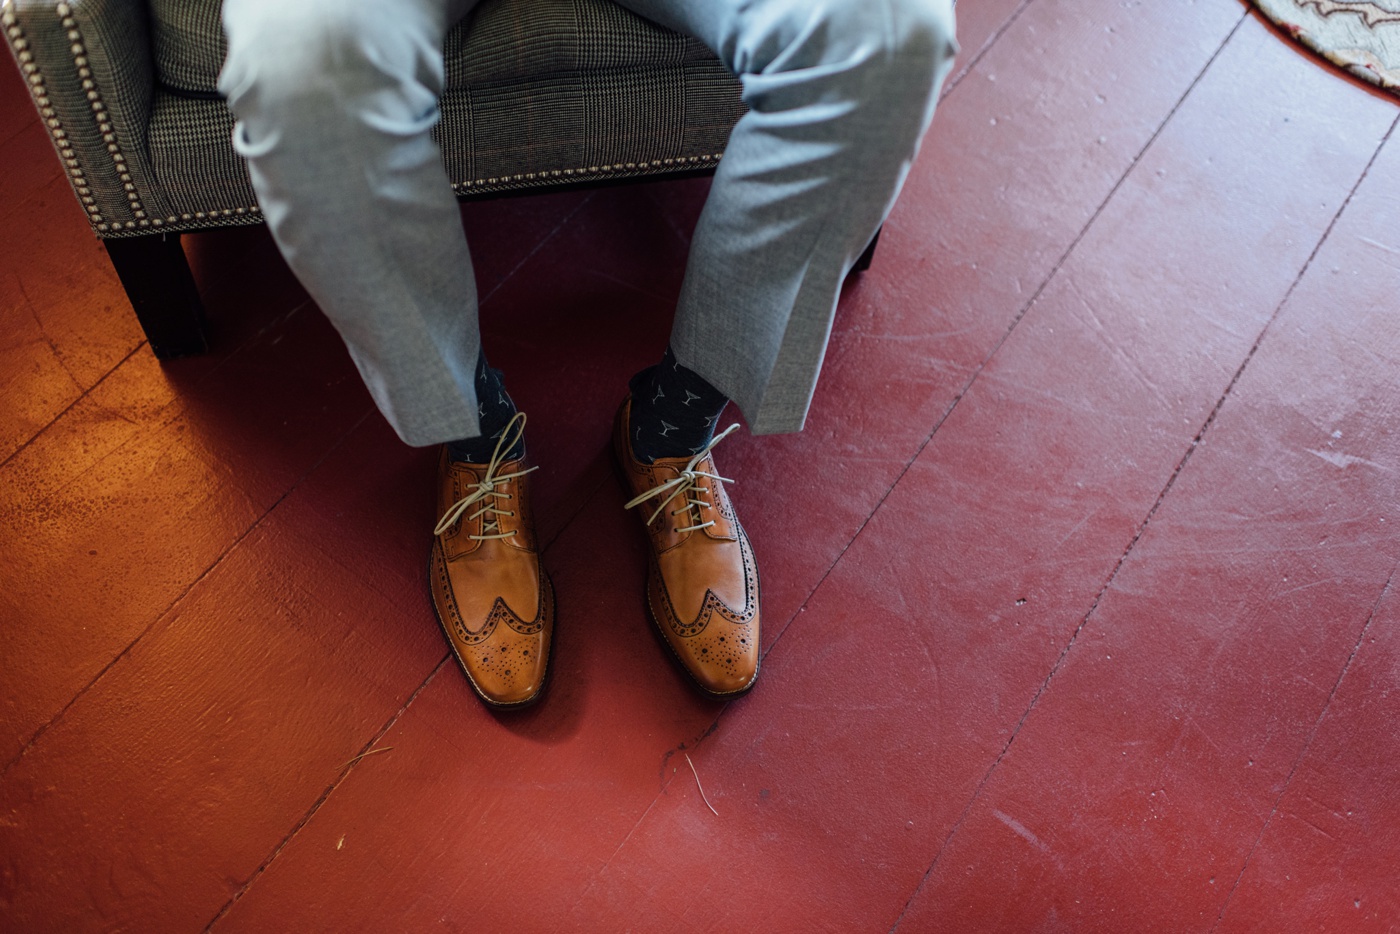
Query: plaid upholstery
<point x="188" y="45"/>
<point x="539" y="92"/>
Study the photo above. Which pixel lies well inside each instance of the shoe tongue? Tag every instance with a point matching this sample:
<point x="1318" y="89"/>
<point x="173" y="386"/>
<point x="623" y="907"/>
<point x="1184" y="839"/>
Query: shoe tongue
<point x="469" y="474"/>
<point x="479" y="470"/>
<point x="680" y="463"/>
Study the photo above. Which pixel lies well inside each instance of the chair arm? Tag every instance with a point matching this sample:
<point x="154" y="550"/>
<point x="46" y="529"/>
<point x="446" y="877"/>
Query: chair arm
<point x="89" y="68"/>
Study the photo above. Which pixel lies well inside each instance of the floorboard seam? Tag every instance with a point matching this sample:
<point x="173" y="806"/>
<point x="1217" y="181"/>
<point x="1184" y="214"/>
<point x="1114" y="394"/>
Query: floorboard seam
<point x="585" y="501"/>
<point x="1171" y="481"/>
<point x="218" y="560"/>
<point x="22" y="127"/>
<point x="53" y="347"/>
<point x="1113" y="573"/>
<point x="173" y="410"/>
<point x="938" y="408"/>
<point x="1015" y="322"/>
<point x="538" y="246"/>
<point x="714" y="724"/>
<point x="69" y="407"/>
<point x="398" y="715"/>
<point x="977" y="371"/>
<point x="1384" y="590"/>
<point x="992" y="40"/>
<point x="593" y="882"/>
<point x="15" y="453"/>
<point x="345" y="771"/>
<point x="1307" y="744"/>
<point x="58" y="181"/>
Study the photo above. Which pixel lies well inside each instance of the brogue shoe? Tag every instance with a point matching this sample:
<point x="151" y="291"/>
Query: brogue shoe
<point x="702" y="580"/>
<point x="493" y="600"/>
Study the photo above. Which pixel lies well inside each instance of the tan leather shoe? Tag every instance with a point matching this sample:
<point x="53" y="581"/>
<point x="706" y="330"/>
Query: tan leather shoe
<point x="702" y="581"/>
<point x="494" y="602"/>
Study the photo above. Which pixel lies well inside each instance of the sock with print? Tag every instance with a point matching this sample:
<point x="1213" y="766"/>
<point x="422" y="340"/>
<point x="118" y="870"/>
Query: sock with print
<point x="674" y="411"/>
<point x="494" y="411"/>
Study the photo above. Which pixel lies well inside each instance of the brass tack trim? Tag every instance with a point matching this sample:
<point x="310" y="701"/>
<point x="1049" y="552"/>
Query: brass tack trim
<point x="710" y="159"/>
<point x="39" y="90"/>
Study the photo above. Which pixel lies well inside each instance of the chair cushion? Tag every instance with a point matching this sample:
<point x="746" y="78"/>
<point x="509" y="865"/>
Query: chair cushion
<point x="188" y="44"/>
<point x="501" y="41"/>
<point x="539" y="93"/>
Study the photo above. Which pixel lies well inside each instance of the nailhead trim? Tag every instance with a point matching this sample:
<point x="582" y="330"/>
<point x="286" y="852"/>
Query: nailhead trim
<point x="35" y="79"/>
<point x="696" y="161"/>
<point x="109" y="137"/>
<point x="104" y="125"/>
<point x="15" y="33"/>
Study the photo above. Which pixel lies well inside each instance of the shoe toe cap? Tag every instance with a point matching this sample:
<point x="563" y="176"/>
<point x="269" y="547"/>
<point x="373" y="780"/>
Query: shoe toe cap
<point x="723" y="659"/>
<point x="509" y="668"/>
<point x="505" y="657"/>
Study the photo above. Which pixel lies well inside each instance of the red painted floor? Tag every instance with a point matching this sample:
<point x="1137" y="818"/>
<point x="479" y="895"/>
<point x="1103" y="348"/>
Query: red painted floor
<point x="1081" y="610"/>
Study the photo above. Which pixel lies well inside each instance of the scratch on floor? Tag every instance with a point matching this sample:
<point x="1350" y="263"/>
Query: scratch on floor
<point x="1338" y="459"/>
<point x="1308" y="586"/>
<point x="1195" y="725"/>
<point x="1101" y="333"/>
<point x="1074" y="531"/>
<point x="1380" y="246"/>
<point x="1021" y="831"/>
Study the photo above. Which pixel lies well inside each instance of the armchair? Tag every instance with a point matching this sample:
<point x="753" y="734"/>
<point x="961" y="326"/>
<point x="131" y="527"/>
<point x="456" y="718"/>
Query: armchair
<point x="540" y="94"/>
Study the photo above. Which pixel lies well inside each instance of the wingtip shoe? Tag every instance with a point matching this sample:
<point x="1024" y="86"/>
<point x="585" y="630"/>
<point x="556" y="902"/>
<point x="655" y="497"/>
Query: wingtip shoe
<point x="493" y="600"/>
<point x="702" y="580"/>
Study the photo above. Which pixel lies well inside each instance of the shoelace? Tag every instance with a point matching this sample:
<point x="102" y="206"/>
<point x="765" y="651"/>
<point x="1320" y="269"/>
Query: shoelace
<point x="486" y="493"/>
<point x="686" y="485"/>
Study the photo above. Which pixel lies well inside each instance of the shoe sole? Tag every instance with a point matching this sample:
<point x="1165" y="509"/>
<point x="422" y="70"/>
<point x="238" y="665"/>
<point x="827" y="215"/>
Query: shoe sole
<point x="657" y="629"/>
<point x="530" y="701"/>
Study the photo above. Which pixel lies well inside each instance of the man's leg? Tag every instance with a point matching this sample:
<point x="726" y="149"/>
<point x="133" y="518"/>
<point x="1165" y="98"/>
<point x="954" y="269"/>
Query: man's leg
<point x="335" y="104"/>
<point x="839" y="93"/>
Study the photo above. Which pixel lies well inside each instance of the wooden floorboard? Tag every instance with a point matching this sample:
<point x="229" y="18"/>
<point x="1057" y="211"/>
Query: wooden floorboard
<point x="1327" y="524"/>
<point x="1194" y="676"/>
<point x="1078" y="586"/>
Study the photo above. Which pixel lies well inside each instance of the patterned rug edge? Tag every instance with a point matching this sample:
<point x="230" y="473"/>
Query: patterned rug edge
<point x="1310" y="23"/>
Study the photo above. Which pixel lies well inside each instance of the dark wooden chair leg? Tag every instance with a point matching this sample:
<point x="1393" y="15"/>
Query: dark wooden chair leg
<point x="863" y="263"/>
<point x="157" y="280"/>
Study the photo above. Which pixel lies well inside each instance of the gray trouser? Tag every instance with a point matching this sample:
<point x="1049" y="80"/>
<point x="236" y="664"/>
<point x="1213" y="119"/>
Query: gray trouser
<point x="336" y="101"/>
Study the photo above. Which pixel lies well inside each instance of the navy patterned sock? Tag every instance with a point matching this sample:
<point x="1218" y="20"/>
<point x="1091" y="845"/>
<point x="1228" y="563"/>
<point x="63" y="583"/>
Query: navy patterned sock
<point x="674" y="411"/>
<point x="494" y="411"/>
